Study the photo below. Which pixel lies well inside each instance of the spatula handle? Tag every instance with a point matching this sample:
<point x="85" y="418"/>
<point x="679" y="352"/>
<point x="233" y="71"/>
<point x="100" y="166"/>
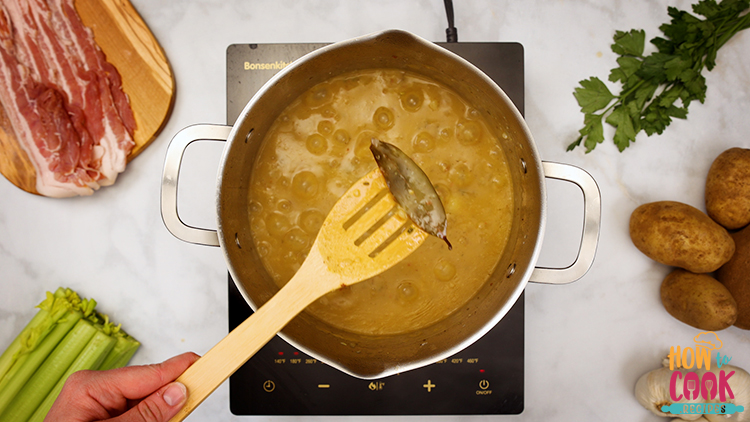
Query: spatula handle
<point x="208" y="372"/>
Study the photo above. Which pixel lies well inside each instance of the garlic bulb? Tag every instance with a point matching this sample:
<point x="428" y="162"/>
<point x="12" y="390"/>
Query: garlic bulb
<point x="740" y="385"/>
<point x="652" y="392"/>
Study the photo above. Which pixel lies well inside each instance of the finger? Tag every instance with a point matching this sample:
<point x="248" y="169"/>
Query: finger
<point x="160" y="406"/>
<point x="137" y="382"/>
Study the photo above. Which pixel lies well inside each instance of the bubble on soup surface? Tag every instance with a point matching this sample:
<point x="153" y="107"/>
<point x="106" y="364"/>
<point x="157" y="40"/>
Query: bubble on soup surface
<point x="305" y="184"/>
<point x="383" y="118"/>
<point x="407" y="292"/>
<point x="375" y="286"/>
<point x="412" y="100"/>
<point x="337" y="186"/>
<point x="445" y="134"/>
<point x="257" y="225"/>
<point x="469" y="132"/>
<point x="443" y="192"/>
<point x="329" y="113"/>
<point x="277" y="224"/>
<point x="317" y="96"/>
<point x="292" y="263"/>
<point x="342" y="136"/>
<point x="316" y="144"/>
<point x="284" y="121"/>
<point x="284" y="205"/>
<point x="311" y="220"/>
<point x="263" y="248"/>
<point x="296" y="239"/>
<point x="325" y="127"/>
<point x="444" y="270"/>
<point x="255" y="207"/>
<point x="460" y="175"/>
<point x="423" y="142"/>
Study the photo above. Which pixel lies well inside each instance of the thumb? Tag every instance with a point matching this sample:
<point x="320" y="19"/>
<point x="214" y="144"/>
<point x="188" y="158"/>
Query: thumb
<point x="160" y="406"/>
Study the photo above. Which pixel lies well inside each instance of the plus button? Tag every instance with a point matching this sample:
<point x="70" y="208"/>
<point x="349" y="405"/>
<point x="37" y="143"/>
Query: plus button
<point x="429" y="386"/>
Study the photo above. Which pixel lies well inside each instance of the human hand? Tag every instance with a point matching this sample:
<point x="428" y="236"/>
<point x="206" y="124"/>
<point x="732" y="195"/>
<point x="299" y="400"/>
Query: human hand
<point x="131" y="394"/>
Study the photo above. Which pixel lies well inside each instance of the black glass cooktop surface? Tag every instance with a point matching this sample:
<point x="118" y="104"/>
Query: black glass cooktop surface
<point x="487" y="378"/>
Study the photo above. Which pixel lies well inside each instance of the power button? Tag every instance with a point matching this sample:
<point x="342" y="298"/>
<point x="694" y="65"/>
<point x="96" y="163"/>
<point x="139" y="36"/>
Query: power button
<point x="269" y="386"/>
<point x="484" y="384"/>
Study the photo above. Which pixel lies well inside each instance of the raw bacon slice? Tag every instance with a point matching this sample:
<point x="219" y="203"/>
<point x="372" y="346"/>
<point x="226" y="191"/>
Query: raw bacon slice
<point x="63" y="99"/>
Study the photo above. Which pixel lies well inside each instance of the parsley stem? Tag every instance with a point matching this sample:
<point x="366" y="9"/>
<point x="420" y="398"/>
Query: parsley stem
<point x="742" y="23"/>
<point x="632" y="89"/>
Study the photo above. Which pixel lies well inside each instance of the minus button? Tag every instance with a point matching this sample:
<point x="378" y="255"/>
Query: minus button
<point x="324" y="385"/>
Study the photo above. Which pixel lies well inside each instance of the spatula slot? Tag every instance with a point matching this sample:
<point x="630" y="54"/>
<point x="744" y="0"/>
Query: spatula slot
<point x="406" y="227"/>
<point x="363" y="210"/>
<point x="378" y="224"/>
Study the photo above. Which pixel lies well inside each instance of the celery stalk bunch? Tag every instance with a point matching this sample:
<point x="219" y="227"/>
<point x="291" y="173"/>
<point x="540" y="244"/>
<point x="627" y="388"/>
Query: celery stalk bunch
<point x="66" y="335"/>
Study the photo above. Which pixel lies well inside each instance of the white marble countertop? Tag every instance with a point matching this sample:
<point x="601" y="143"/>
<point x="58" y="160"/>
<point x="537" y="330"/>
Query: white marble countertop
<point x="586" y="343"/>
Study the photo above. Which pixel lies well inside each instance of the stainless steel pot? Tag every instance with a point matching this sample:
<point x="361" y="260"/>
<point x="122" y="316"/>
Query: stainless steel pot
<point x="378" y="356"/>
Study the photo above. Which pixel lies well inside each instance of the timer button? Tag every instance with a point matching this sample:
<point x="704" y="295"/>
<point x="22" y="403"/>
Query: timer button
<point x="269" y="386"/>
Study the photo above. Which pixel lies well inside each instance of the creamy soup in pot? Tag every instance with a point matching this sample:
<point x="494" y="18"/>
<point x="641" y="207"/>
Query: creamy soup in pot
<point x="319" y="146"/>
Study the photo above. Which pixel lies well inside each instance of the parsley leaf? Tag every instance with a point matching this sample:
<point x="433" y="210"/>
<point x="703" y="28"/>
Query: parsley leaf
<point x="629" y="43"/>
<point x="593" y="95"/>
<point x="625" y="133"/>
<point x="658" y="87"/>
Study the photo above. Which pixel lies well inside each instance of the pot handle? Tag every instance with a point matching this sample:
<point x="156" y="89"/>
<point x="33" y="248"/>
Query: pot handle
<point x="592" y="210"/>
<point x="172" y="163"/>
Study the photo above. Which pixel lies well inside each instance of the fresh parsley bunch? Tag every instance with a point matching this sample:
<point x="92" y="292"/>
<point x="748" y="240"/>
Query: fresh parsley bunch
<point x="651" y="85"/>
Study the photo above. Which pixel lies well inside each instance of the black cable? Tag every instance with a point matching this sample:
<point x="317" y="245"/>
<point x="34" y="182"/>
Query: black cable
<point x="451" y="32"/>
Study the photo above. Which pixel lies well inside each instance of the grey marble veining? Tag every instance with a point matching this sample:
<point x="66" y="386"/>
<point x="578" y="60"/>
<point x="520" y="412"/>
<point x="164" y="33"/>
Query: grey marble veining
<point x="591" y="339"/>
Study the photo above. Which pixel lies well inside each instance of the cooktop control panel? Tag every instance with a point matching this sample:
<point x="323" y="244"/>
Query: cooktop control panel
<point x="486" y="378"/>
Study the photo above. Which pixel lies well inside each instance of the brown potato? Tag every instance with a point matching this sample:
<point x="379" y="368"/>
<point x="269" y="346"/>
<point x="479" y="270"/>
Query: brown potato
<point x="735" y="276"/>
<point x="679" y="235"/>
<point x="728" y="188"/>
<point x="698" y="300"/>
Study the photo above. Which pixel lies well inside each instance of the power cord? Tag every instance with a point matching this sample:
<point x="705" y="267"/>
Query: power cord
<point x="451" y="32"/>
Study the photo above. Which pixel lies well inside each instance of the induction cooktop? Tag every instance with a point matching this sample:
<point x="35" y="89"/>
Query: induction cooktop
<point x="487" y="378"/>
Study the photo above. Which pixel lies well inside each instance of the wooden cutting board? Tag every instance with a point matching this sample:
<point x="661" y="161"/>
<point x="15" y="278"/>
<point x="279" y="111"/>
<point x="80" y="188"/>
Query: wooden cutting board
<point x="146" y="77"/>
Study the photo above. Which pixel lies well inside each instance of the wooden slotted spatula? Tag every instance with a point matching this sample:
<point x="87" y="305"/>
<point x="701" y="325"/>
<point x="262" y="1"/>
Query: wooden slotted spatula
<point x="365" y="233"/>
